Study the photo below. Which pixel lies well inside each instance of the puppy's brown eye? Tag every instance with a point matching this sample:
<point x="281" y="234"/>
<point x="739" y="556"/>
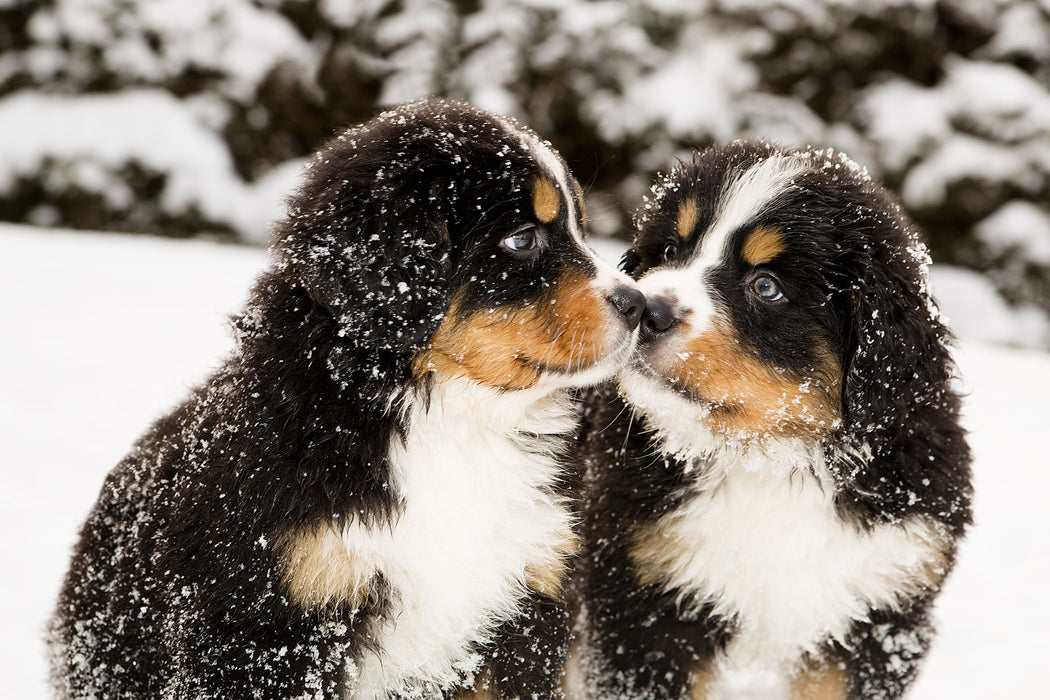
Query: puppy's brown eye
<point x="670" y="250"/>
<point x="522" y="240"/>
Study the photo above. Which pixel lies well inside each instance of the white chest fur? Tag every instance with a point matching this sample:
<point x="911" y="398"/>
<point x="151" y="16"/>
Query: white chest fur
<point x="477" y="510"/>
<point x="763" y="543"/>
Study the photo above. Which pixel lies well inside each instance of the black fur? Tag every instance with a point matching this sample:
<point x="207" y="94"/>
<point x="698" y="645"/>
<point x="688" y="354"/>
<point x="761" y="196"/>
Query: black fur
<point x="175" y="588"/>
<point x="855" y="271"/>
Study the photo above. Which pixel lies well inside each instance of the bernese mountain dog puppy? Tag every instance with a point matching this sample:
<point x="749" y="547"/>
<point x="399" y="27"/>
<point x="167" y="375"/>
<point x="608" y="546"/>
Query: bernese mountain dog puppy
<point x="782" y="481"/>
<point x="367" y="500"/>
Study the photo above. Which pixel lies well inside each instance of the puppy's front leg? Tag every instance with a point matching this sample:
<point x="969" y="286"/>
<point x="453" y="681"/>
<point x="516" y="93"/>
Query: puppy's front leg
<point x="887" y="649"/>
<point x="638" y="643"/>
<point x="527" y="657"/>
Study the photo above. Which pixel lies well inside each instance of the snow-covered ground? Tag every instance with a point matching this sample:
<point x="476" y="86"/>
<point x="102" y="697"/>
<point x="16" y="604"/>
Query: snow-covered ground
<point x="102" y="333"/>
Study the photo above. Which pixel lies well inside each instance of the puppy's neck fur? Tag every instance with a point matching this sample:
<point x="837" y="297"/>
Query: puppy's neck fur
<point x="479" y="523"/>
<point x="480" y="409"/>
<point x="758" y="538"/>
<point x="711" y="456"/>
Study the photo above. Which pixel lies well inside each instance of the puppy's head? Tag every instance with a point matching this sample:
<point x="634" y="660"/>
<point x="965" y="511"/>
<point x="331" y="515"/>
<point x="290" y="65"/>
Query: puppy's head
<point x="447" y="240"/>
<point x="787" y="297"/>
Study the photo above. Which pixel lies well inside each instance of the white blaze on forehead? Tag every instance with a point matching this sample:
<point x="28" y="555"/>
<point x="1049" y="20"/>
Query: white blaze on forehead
<point x="554" y="167"/>
<point x="744" y="199"/>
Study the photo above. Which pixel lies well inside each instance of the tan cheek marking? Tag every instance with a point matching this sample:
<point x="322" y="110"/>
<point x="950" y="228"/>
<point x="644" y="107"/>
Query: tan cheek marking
<point x="579" y="317"/>
<point x="548" y="577"/>
<point x="749" y="397"/>
<point x="687" y="218"/>
<point x="479" y="347"/>
<point x="318" y="569"/>
<point x="545" y="200"/>
<point x="510" y="349"/>
<point x="763" y="245"/>
<point x="820" y="680"/>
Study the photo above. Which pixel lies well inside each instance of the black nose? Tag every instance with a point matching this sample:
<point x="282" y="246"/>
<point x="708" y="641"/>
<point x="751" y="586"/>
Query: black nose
<point x="630" y="303"/>
<point x="658" y="318"/>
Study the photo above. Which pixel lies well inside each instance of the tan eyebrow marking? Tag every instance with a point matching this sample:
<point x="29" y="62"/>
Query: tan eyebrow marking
<point x="762" y="245"/>
<point x="545" y="200"/>
<point x="687" y="218"/>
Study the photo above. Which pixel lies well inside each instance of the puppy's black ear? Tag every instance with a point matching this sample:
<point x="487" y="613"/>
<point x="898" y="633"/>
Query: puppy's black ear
<point x="365" y="237"/>
<point x="899" y="409"/>
<point x="896" y="363"/>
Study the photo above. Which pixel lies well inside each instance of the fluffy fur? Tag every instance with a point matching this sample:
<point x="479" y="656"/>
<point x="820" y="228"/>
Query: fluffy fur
<point x="782" y="481"/>
<point x="367" y="499"/>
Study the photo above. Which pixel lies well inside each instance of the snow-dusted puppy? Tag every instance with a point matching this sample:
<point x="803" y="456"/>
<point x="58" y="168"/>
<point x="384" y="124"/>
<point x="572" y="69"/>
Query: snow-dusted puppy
<point x="366" y="500"/>
<point x="783" y="480"/>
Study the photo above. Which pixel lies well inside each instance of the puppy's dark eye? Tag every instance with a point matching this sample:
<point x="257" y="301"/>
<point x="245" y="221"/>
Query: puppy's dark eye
<point x="767" y="288"/>
<point x="670" y="250"/>
<point x="522" y="240"/>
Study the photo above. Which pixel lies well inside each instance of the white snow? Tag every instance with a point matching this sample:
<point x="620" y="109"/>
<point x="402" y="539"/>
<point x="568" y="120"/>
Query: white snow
<point x="1020" y="226"/>
<point x="90" y="137"/>
<point x="1007" y="116"/>
<point x="963" y="157"/>
<point x="976" y="312"/>
<point x="104" y="332"/>
<point x="707" y="76"/>
<point x="234" y="38"/>
<point x="1021" y="30"/>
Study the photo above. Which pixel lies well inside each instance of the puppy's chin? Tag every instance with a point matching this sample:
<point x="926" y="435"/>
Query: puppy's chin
<point x="624" y="345"/>
<point x="678" y="417"/>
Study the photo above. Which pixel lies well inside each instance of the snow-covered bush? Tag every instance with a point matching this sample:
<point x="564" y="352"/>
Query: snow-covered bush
<point x="179" y="116"/>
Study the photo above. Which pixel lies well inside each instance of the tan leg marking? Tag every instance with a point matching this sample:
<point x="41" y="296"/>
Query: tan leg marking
<point x="318" y="570"/>
<point x="481" y="690"/>
<point x="820" y="680"/>
<point x="547" y="577"/>
<point x="701" y="681"/>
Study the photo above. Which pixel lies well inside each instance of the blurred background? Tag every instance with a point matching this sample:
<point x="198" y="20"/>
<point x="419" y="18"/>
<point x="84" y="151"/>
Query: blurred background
<point x="191" y="118"/>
